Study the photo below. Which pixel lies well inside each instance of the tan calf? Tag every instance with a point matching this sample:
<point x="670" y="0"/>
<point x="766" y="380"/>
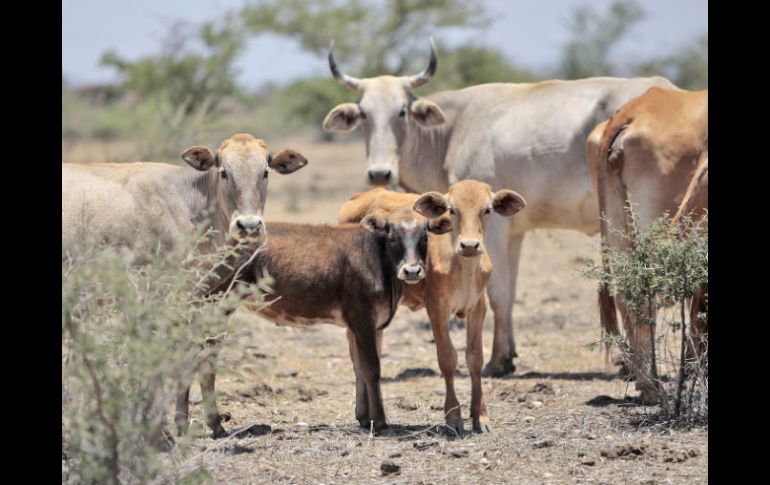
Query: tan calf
<point x="458" y="269"/>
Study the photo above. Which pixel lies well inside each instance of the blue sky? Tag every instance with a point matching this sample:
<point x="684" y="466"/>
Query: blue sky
<point x="530" y="32"/>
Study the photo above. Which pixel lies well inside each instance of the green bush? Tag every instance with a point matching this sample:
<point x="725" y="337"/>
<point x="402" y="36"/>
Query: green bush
<point x="130" y="334"/>
<point x="663" y="268"/>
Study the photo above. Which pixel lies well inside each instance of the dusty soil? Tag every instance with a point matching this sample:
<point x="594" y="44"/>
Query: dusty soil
<point x="562" y="418"/>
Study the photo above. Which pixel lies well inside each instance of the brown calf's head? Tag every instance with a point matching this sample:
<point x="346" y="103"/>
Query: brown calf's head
<point x="407" y="239"/>
<point x="470" y="204"/>
<point x="242" y="164"/>
<point x="386" y="111"/>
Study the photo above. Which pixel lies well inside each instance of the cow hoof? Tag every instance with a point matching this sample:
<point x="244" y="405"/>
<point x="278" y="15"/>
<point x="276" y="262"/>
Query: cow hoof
<point x="624" y="372"/>
<point x="648" y="398"/>
<point x="498" y="369"/>
<point x="456" y="426"/>
<point x="482" y="428"/>
<point x="218" y="432"/>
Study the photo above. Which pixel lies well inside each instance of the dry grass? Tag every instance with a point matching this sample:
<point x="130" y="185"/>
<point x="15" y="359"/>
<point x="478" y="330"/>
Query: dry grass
<point x="301" y="383"/>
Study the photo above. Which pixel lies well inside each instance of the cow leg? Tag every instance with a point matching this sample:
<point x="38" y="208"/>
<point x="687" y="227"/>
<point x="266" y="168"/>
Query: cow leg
<point x="447" y="361"/>
<point x="366" y="344"/>
<point x="182" y="415"/>
<point x="474" y="358"/>
<point x="362" y="399"/>
<point x="640" y="355"/>
<point x="698" y="326"/>
<point x="207" y="379"/>
<point x="504" y="253"/>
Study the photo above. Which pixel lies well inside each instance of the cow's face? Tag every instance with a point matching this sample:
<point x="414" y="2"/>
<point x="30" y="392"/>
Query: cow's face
<point x="406" y="234"/>
<point x="386" y="111"/>
<point x="469" y="203"/>
<point x="242" y="167"/>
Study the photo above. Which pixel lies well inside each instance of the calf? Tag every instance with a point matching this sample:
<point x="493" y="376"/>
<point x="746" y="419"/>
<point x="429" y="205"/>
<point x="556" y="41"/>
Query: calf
<point x="351" y="275"/>
<point x="458" y="272"/>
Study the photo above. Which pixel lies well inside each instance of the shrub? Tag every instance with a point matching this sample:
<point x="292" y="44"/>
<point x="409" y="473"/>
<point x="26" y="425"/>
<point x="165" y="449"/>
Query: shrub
<point x="664" y="267"/>
<point x="129" y="335"/>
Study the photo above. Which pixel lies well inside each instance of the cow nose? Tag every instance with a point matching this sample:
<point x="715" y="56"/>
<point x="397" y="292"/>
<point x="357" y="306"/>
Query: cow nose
<point x="413" y="271"/>
<point x="469" y="244"/>
<point x="380" y="176"/>
<point x="251" y="225"/>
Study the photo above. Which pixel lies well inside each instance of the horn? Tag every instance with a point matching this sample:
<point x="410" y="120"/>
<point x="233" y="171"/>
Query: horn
<point x="422" y="78"/>
<point x="345" y="80"/>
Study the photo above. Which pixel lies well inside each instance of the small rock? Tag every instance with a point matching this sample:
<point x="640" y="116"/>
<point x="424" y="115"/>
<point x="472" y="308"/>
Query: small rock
<point x="547" y="475"/>
<point x="544" y="387"/>
<point x="397" y="454"/>
<point x="581" y="454"/>
<point x="424" y="445"/>
<point x="461" y="453"/>
<point x="301" y="423"/>
<point x="287" y="373"/>
<point x="543" y="444"/>
<point x="345" y="453"/>
<point x="535" y="404"/>
<point x="389" y="467"/>
<point x="588" y="462"/>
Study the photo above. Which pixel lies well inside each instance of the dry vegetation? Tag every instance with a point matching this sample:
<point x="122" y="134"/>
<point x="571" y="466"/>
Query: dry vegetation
<point x="563" y="418"/>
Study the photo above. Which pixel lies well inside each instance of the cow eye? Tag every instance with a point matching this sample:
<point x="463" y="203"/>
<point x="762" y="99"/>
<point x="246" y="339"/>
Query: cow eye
<point x="266" y="173"/>
<point x="451" y="210"/>
<point x="402" y="113"/>
<point x="223" y="173"/>
<point x="487" y="210"/>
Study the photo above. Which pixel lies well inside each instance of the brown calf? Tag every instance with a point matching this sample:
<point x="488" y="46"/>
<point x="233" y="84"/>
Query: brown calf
<point x="458" y="271"/>
<point x="351" y="275"/>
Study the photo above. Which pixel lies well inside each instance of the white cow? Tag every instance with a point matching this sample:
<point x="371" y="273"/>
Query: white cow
<point x="529" y="137"/>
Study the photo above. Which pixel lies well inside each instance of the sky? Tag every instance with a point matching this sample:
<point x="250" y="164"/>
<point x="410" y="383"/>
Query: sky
<point x="531" y="33"/>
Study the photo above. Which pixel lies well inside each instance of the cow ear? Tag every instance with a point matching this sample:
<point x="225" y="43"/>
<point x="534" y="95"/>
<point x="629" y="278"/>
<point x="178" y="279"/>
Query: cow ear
<point x="200" y="158"/>
<point x="442" y="225"/>
<point x="375" y="223"/>
<point x="287" y="161"/>
<point x="343" y="117"/>
<point x="507" y="202"/>
<point x="427" y="113"/>
<point x="431" y="205"/>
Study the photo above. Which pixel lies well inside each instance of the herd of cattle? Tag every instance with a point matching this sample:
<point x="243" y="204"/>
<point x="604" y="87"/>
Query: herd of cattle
<point x="574" y="151"/>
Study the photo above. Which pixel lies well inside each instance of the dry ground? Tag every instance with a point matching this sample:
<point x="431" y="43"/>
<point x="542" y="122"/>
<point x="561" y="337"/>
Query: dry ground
<point x="560" y="419"/>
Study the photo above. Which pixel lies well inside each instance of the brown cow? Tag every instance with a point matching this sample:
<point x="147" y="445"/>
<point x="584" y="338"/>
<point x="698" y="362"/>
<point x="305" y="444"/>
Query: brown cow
<point x="646" y="156"/>
<point x="351" y="275"/>
<point x="458" y="271"/>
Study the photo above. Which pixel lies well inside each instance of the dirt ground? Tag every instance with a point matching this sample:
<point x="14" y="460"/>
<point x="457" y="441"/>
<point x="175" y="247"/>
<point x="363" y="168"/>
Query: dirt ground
<point x="561" y="419"/>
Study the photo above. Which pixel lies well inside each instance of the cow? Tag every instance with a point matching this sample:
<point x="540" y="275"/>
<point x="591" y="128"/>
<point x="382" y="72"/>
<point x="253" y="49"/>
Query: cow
<point x="457" y="273"/>
<point x="651" y="155"/>
<point x="527" y="135"/>
<point x="156" y="207"/>
<point x="350" y="275"/>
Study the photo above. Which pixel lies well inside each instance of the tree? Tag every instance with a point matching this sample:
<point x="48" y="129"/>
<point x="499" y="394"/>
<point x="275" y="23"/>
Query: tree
<point x="189" y="79"/>
<point x="593" y="36"/>
<point x="373" y="38"/>
<point x="688" y="68"/>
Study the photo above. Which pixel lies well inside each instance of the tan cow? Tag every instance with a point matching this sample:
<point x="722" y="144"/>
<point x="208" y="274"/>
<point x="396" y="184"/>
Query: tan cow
<point x="158" y="206"/>
<point x="649" y="154"/>
<point x="458" y="269"/>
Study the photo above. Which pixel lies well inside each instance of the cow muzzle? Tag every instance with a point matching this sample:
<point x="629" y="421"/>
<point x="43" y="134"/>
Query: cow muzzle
<point x="470" y="248"/>
<point x="379" y="176"/>
<point x="248" y="227"/>
<point x="411" y="273"/>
